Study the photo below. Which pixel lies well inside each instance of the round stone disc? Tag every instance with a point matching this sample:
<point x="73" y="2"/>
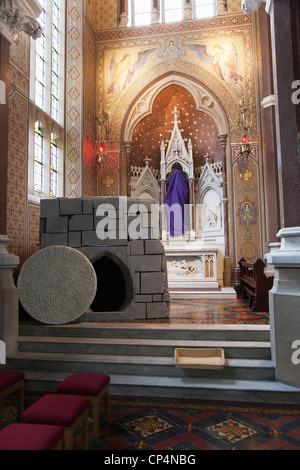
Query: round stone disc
<point x="57" y="285"/>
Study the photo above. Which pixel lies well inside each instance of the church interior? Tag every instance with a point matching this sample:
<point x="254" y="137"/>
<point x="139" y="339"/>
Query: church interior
<point x="149" y="203"/>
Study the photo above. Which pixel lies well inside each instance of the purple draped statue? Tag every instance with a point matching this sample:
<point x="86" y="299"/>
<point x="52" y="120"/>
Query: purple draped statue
<point x="177" y="196"/>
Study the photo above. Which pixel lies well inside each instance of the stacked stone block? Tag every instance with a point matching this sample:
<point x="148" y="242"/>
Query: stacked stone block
<point x="73" y="223"/>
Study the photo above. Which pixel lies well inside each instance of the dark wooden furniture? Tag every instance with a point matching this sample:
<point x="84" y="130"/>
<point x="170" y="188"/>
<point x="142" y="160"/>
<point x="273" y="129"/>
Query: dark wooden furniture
<point x="255" y="285"/>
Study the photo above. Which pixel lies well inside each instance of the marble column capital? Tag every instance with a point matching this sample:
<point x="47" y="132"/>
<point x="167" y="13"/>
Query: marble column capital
<point x="222" y="139"/>
<point x="16" y="16"/>
<point x="128" y="145"/>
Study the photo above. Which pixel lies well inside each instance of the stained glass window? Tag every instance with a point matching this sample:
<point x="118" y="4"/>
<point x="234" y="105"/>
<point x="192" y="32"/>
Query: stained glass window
<point x="38" y="157"/>
<point x="53" y="166"/>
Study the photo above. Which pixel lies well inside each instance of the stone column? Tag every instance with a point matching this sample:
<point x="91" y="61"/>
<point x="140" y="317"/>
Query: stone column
<point x="128" y="150"/>
<point x="9" y="298"/>
<point x="221" y="7"/>
<point x="284" y="297"/>
<point x="4" y="77"/>
<point x="284" y="301"/>
<point x="285" y="34"/>
<point x="155" y="16"/>
<point x="123" y="20"/>
<point x="188" y="10"/>
<point x="192" y="208"/>
<point x="227" y="264"/>
<point x="269" y="150"/>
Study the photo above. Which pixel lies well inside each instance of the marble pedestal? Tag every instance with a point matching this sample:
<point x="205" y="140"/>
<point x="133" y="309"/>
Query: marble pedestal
<point x="9" y="298"/>
<point x="284" y="301"/>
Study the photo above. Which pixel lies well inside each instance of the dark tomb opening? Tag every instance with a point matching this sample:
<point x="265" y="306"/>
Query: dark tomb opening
<point x="112" y="292"/>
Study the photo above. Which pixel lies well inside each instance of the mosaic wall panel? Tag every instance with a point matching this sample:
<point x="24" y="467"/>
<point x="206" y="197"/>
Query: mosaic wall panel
<point x="90" y="12"/>
<point x="74" y="89"/>
<point x="89" y="80"/>
<point x="107" y="14"/>
<point x="89" y="104"/>
<point x="247" y="208"/>
<point x="17" y="172"/>
<point x="33" y="228"/>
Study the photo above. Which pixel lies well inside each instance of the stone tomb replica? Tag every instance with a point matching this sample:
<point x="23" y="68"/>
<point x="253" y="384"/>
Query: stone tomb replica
<point x="119" y="237"/>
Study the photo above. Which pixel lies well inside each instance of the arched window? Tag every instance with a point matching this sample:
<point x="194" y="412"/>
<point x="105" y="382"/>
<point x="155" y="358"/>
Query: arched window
<point x="45" y="177"/>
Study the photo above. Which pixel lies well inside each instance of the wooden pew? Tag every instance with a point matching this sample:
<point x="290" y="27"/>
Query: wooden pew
<point x="255" y="285"/>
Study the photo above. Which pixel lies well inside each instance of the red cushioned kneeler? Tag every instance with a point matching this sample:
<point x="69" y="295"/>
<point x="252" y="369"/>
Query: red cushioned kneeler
<point x="93" y="386"/>
<point x="12" y="381"/>
<point x="68" y="411"/>
<point x="20" y="436"/>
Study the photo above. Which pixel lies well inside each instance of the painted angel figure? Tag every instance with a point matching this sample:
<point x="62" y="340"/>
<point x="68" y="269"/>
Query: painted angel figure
<point x="224" y="64"/>
<point x="247" y="214"/>
<point x="123" y="71"/>
<point x="223" y="61"/>
<point x="121" y="74"/>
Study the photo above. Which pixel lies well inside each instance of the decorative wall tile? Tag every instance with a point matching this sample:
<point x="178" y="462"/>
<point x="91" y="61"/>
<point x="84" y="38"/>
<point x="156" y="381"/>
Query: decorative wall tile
<point x="247" y="210"/>
<point x="74" y="91"/>
<point x="17" y="172"/>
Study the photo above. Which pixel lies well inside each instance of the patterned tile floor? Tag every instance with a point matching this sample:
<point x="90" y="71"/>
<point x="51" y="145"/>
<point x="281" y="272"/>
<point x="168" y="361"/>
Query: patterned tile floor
<point x="189" y="426"/>
<point x="213" y="311"/>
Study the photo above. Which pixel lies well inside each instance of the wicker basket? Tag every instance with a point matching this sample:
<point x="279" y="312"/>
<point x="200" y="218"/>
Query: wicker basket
<point x="199" y="358"/>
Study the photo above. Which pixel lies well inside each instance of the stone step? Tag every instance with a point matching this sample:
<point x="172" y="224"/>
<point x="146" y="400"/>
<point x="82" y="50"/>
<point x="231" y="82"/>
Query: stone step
<point x="139" y="358"/>
<point x="254" y="369"/>
<point x="143" y="347"/>
<point x="150" y="330"/>
<point x="209" y="389"/>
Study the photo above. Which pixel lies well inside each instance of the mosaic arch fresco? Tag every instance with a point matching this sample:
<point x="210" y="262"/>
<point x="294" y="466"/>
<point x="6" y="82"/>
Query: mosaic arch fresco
<point x="221" y="58"/>
<point x="219" y="55"/>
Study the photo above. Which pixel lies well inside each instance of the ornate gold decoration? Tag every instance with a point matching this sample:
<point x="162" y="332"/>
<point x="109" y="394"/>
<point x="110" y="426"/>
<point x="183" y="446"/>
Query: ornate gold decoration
<point x="108" y="181"/>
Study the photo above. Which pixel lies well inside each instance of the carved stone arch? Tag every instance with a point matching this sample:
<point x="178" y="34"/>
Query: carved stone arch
<point x="141" y="194"/>
<point x="204" y="185"/>
<point x="207" y="188"/>
<point x="204" y="98"/>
